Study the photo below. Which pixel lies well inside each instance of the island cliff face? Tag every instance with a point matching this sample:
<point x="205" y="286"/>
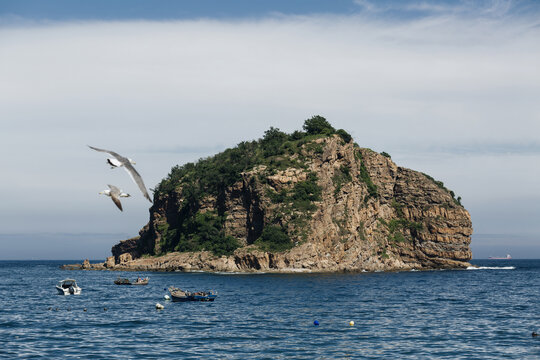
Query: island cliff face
<point x="327" y="206"/>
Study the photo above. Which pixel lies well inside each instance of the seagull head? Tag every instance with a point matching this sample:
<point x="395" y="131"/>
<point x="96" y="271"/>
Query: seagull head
<point x="132" y="162"/>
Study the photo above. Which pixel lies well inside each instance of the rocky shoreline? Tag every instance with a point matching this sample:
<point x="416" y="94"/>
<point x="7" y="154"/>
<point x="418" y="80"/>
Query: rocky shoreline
<point x="249" y="261"/>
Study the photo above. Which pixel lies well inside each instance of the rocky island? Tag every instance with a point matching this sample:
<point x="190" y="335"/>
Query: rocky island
<point x="310" y="201"/>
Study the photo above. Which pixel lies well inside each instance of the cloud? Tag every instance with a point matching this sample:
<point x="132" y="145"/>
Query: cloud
<point x="164" y="93"/>
<point x="464" y="8"/>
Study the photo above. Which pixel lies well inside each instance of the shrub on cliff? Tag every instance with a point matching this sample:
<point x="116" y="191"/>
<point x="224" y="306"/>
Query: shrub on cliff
<point x="318" y="125"/>
<point x="341" y="176"/>
<point x="344" y="135"/>
<point x="308" y="189"/>
<point x="272" y="142"/>
<point x="274" y="239"/>
<point x="204" y="231"/>
<point x="364" y="176"/>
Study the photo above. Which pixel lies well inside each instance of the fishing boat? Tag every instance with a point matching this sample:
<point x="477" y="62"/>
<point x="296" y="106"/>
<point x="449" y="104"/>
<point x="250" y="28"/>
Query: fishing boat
<point x="126" y="281"/>
<point x="507" y="257"/>
<point x="68" y="287"/>
<point x="179" y="295"/>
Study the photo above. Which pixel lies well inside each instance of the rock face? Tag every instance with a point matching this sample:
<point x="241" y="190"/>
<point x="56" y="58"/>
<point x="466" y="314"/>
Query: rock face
<point x="110" y="262"/>
<point x="371" y="215"/>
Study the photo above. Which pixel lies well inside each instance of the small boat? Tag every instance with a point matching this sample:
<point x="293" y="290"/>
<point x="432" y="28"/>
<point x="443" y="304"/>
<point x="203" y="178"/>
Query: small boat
<point x="68" y="287"/>
<point x="179" y="295"/>
<point x="126" y="281"/>
<point x="507" y="257"/>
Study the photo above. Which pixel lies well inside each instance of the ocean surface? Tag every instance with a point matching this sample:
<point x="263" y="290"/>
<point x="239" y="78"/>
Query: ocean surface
<point x="489" y="313"/>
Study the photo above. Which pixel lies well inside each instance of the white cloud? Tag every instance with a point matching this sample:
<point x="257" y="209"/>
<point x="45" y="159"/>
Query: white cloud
<point x="137" y="87"/>
<point x="476" y="9"/>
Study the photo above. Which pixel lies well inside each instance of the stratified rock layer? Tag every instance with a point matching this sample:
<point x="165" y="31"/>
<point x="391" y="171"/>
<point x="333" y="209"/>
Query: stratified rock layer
<point x="412" y="222"/>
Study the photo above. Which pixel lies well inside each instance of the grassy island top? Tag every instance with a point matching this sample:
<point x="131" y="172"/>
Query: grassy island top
<point x="213" y="174"/>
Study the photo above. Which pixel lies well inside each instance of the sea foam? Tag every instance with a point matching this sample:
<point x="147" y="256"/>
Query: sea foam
<point x="491" y="268"/>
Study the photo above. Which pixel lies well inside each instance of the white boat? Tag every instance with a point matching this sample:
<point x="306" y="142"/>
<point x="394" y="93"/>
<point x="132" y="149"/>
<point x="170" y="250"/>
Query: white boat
<point x="68" y="287"/>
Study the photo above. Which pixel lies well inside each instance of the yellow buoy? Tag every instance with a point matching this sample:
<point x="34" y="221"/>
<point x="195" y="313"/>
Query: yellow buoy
<point x="351" y="323"/>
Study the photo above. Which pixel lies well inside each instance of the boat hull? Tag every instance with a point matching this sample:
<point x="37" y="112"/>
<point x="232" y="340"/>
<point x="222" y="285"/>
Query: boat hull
<point x="68" y="291"/>
<point x="507" y="257"/>
<point x="68" y="287"/>
<point x="128" y="282"/>
<point x="193" y="298"/>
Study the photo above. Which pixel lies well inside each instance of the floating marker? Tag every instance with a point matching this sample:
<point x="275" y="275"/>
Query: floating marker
<point x="316" y="323"/>
<point x="351" y="323"/>
<point x="167" y="297"/>
<point x="159" y="306"/>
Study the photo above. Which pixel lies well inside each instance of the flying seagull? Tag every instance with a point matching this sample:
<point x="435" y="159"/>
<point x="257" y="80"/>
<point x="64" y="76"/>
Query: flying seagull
<point x="115" y="194"/>
<point x="119" y="161"/>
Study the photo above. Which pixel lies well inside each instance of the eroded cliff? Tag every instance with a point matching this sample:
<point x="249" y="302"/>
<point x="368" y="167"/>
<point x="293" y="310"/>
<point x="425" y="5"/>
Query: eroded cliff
<point x="323" y="204"/>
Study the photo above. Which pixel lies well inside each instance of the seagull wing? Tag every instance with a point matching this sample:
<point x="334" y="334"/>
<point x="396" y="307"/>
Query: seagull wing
<point x="116" y="155"/>
<point x="116" y="200"/>
<point x="114" y="190"/>
<point x="137" y="179"/>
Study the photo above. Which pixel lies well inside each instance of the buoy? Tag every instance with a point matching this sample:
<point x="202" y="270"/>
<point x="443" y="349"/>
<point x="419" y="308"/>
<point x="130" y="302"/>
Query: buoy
<point x="316" y="323"/>
<point x="167" y="297"/>
<point x="159" y="306"/>
<point x="84" y="309"/>
<point x="351" y="323"/>
<point x="534" y="334"/>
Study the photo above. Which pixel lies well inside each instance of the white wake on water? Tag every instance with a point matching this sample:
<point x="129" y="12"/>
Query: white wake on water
<point x="491" y="268"/>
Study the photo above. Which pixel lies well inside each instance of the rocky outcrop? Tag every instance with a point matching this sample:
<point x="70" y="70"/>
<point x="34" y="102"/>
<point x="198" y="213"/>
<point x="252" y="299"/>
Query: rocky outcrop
<point x="86" y="264"/>
<point x="110" y="262"/>
<point x="129" y="246"/>
<point x="371" y="215"/>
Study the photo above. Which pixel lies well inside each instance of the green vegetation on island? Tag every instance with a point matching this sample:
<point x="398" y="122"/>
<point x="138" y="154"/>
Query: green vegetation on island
<point x="276" y="170"/>
<point x="196" y="230"/>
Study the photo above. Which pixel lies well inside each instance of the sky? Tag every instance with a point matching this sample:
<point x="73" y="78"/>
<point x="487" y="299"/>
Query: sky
<point x="449" y="88"/>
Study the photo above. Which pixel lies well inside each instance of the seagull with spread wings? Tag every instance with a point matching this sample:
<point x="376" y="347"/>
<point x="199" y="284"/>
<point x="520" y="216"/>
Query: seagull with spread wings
<point x="115" y="194"/>
<point x="120" y="161"/>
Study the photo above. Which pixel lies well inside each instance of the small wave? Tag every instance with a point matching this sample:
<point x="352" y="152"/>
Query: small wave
<point x="491" y="268"/>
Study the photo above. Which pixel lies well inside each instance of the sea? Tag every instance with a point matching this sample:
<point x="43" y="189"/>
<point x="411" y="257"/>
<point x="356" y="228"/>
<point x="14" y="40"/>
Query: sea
<point x="489" y="312"/>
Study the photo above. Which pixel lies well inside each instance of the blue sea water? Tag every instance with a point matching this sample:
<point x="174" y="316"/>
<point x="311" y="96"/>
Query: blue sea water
<point x="489" y="313"/>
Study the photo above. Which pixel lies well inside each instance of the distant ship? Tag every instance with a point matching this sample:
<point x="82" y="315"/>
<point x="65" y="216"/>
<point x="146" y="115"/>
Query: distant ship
<point x="508" y="257"/>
